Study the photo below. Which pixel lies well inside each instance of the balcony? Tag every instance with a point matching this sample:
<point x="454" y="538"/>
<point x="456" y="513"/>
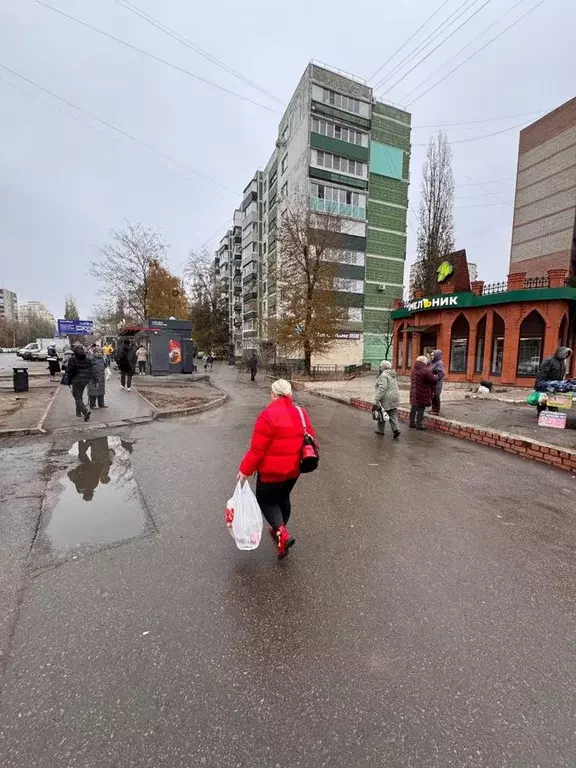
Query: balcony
<point x="341" y="209"/>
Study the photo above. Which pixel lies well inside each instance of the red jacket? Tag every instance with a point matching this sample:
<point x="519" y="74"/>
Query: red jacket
<point x="423" y="382"/>
<point x="276" y="446"/>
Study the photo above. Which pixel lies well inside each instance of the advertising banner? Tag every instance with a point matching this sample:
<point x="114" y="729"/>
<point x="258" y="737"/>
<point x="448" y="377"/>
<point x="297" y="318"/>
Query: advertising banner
<point x="75" y="327"/>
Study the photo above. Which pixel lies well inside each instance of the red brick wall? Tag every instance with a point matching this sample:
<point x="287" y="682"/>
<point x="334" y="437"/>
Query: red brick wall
<point x="547" y="127"/>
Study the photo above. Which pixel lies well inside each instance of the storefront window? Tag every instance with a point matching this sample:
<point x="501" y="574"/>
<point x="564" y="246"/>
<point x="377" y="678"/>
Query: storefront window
<point x="400" y="354"/>
<point x="531" y="343"/>
<point x="480" y="346"/>
<point x="497" y="355"/>
<point x="409" y="351"/>
<point x="460" y="333"/>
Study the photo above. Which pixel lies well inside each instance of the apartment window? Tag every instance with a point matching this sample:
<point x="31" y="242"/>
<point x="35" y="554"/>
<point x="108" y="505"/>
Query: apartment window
<point x="284" y="189"/>
<point x="349" y="286"/>
<point x="341" y="132"/>
<point x="355" y="314"/>
<point x="340" y="101"/>
<point x="357" y="258"/>
<point x="284" y="164"/>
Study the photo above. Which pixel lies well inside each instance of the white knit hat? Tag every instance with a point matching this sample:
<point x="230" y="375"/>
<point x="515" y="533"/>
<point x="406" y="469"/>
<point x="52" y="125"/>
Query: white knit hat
<point x="282" y="388"/>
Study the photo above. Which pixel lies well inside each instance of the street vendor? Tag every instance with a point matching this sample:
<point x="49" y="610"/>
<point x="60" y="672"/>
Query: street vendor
<point x="552" y="369"/>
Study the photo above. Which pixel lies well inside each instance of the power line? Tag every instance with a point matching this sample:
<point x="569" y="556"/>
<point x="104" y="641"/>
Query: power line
<point x="405" y="43"/>
<point x="477" y="138"/>
<point x="153" y="57"/>
<point x="113" y="127"/>
<point x="423" y="59"/>
<point x="494" y="23"/>
<point x="431" y="37"/>
<point x="483" y="120"/>
<point x="493" y="39"/>
<point x="193" y="47"/>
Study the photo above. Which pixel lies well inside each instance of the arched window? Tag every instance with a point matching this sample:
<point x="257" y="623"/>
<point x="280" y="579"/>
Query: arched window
<point x="563" y="332"/>
<point x="531" y="344"/>
<point x="498" y="330"/>
<point x="480" y="345"/>
<point x="459" y="335"/>
<point x="400" y="347"/>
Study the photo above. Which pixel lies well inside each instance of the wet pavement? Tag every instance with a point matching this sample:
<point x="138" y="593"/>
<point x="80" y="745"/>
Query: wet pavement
<point x="121" y="404"/>
<point x="424" y="617"/>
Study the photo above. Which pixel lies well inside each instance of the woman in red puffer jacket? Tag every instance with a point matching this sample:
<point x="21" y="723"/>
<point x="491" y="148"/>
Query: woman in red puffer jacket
<point x="275" y="452"/>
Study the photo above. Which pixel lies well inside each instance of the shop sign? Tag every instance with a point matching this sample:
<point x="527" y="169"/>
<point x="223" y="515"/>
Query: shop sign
<point x="560" y="400"/>
<point x="440" y="302"/>
<point x="552" y="419"/>
<point x="444" y="271"/>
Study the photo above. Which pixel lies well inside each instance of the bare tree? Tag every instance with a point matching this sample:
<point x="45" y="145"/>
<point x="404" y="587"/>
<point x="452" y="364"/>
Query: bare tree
<point x="385" y="334"/>
<point x="309" y="315"/>
<point x="127" y="268"/>
<point x="210" y="327"/>
<point x="436" y="214"/>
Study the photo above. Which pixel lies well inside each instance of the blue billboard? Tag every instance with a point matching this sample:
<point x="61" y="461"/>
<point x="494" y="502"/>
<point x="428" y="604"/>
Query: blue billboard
<point x="75" y="327"/>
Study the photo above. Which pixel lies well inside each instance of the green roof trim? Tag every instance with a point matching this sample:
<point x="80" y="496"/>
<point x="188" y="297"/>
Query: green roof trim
<point x="472" y="300"/>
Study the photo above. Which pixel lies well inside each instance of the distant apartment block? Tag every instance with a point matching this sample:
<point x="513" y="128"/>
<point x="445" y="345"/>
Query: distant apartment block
<point x="36" y="309"/>
<point x="343" y="152"/>
<point x="8" y="305"/>
<point x="544" y="228"/>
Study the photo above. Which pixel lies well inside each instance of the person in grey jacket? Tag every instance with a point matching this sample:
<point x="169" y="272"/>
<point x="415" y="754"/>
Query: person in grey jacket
<point x="97" y="387"/>
<point x="387" y="398"/>
<point x="438" y="369"/>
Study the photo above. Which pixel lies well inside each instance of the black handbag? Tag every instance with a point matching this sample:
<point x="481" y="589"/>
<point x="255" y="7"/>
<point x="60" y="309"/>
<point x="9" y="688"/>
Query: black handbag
<point x="310" y="456"/>
<point x="64" y="379"/>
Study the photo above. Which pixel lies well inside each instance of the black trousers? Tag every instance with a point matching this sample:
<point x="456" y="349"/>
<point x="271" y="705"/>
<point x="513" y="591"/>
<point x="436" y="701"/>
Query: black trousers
<point x="253" y="375"/>
<point x="274" y="501"/>
<point x="141" y="366"/>
<point x="126" y="379"/>
<point x="436" y="402"/>
<point x="417" y="415"/>
<point x="93" y="398"/>
<point x="78" y="388"/>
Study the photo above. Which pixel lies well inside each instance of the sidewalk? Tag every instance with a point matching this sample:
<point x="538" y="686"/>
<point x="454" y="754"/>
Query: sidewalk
<point x="122" y="406"/>
<point x="510" y="426"/>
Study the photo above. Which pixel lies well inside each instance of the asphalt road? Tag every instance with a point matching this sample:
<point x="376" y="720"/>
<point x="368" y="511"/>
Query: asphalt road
<point x="10" y="360"/>
<point x="425" y="617"/>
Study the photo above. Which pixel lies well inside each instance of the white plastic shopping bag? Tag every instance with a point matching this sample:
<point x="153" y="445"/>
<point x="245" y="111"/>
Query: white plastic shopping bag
<point x="107" y="374"/>
<point x="246" y="516"/>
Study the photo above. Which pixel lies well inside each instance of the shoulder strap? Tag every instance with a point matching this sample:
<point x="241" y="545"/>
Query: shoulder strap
<point x="302" y="419"/>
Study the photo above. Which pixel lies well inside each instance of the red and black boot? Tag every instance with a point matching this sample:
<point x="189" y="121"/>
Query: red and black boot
<point x="283" y="541"/>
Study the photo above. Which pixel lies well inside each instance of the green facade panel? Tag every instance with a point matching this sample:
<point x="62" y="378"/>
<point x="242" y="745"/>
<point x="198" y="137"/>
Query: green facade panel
<point x="391" y="133"/>
<point x="375" y="321"/>
<point x="350" y="299"/>
<point x="384" y="270"/>
<point x="337" y="147"/>
<point x="386" y="244"/>
<point x="373" y="297"/>
<point x="387" y="217"/>
<point x="338" y="114"/>
<point x="388" y="190"/>
<point x="337" y="178"/>
<point x="388" y="111"/>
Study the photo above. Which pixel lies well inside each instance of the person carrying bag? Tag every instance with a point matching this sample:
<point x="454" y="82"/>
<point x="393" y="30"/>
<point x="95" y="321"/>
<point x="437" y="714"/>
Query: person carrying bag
<point x="283" y="446"/>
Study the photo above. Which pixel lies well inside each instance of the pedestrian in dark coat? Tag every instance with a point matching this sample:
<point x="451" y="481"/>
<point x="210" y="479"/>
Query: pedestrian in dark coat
<point x="253" y="366"/>
<point x="423" y="383"/>
<point x="80" y="374"/>
<point x="126" y="359"/>
<point x="97" y="388"/>
<point x="438" y="369"/>
<point x="552" y="368"/>
<point x="53" y="362"/>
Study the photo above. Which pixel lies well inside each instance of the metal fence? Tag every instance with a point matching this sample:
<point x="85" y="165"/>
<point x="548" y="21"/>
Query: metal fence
<point x="491" y="288"/>
<point x="536" y="282"/>
<point x="290" y="370"/>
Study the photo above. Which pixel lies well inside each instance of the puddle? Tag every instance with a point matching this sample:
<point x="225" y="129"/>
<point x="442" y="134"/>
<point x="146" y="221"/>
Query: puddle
<point x="97" y="501"/>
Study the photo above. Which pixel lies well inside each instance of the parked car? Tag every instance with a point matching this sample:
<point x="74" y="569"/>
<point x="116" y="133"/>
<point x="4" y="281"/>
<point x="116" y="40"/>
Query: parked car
<point x="26" y="352"/>
<point x="42" y="354"/>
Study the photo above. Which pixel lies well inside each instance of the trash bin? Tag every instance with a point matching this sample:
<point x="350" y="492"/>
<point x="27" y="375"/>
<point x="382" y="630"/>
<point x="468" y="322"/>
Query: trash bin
<point x="20" y="377"/>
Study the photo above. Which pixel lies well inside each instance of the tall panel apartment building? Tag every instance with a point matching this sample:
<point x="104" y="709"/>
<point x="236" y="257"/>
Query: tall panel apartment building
<point x="346" y="153"/>
<point x="544" y="230"/>
<point x="8" y="304"/>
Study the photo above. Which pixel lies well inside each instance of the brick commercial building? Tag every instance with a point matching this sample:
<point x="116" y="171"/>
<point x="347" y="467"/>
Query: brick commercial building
<point x="544" y="229"/>
<point x="501" y="332"/>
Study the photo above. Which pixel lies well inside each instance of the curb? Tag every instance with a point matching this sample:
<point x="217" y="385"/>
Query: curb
<point x="194" y="409"/>
<point x="525" y="447"/>
<point x="40" y="427"/>
<point x="37" y="430"/>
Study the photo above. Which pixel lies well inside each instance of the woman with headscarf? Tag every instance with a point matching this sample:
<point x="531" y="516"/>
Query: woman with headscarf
<point x="422" y="385"/>
<point x="438" y="369"/>
<point x="275" y="453"/>
<point x="387" y="398"/>
<point x="52" y="360"/>
<point x="97" y="387"/>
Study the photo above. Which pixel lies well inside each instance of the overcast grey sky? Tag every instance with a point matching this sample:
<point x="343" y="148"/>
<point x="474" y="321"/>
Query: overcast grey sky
<point x="64" y="185"/>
